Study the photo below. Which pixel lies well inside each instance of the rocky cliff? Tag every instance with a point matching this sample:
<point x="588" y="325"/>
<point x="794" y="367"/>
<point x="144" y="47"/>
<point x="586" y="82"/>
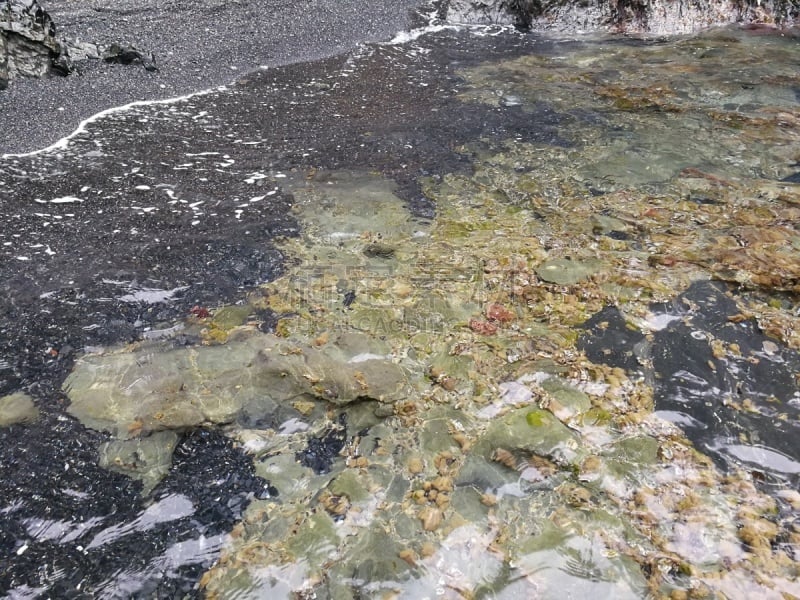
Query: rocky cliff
<point x="650" y="16"/>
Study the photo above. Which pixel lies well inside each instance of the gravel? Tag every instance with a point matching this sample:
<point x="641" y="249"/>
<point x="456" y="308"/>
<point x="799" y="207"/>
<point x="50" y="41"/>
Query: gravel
<point x="198" y="44"/>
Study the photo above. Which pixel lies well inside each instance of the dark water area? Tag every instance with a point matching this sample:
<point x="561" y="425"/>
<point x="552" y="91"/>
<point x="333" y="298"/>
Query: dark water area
<point x="165" y="209"/>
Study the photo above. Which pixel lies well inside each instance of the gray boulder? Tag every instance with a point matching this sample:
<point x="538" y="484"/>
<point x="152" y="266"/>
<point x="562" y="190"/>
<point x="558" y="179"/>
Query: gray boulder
<point x="28" y="41"/>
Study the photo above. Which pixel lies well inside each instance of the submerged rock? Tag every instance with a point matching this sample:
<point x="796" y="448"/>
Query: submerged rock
<point x="17" y="408"/>
<point x="137" y="392"/>
<point x="563" y="271"/>
<point x="147" y="459"/>
<point x="529" y="430"/>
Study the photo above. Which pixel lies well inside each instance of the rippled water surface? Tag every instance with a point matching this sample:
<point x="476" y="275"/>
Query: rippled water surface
<point x="475" y="314"/>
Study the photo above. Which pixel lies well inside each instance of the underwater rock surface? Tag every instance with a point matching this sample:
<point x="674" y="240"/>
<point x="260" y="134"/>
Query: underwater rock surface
<point x="147" y="390"/>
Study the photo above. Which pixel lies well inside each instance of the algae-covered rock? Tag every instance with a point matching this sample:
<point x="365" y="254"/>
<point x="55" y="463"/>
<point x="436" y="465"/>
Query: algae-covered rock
<point x="606" y="225"/>
<point x="373" y="563"/>
<point x="484" y="475"/>
<point x="292" y="480"/>
<point x="566" y="400"/>
<point x="17" y="408"/>
<point x="439" y="424"/>
<point x="641" y="450"/>
<point x="578" y="566"/>
<point x="315" y="539"/>
<point x="351" y="484"/>
<point x="229" y="317"/>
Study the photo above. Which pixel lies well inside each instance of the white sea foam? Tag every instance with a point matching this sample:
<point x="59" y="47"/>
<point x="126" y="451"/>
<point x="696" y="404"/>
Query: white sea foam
<point x="65" y="200"/>
<point x="64" y="142"/>
<point x="403" y="37"/>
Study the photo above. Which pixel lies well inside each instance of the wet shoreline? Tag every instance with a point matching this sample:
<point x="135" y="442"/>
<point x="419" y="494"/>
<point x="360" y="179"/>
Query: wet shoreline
<point x="200" y="47"/>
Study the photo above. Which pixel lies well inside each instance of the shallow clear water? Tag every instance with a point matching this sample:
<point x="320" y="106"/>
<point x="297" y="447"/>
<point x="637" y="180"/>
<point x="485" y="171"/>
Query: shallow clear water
<point x="535" y="332"/>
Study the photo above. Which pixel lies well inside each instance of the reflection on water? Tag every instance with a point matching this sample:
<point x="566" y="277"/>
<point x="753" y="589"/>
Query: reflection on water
<point x="577" y="377"/>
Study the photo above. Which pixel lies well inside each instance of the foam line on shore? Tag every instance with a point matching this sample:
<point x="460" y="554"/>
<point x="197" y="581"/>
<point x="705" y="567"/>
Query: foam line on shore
<point x="64" y="141"/>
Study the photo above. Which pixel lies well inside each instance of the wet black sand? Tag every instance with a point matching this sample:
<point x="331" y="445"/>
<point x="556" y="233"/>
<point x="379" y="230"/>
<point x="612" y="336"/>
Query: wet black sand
<point x="197" y="45"/>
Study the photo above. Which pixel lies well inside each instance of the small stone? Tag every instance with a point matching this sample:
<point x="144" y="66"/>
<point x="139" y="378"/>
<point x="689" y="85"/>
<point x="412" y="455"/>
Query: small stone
<point x="427" y="550"/>
<point x="17" y="408"/>
<point x="409" y="556"/>
<point x="377" y="250"/>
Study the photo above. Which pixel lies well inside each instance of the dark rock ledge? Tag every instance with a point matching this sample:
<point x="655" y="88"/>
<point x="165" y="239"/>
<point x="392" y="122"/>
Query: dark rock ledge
<point x="629" y="16"/>
<point x="27" y="40"/>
